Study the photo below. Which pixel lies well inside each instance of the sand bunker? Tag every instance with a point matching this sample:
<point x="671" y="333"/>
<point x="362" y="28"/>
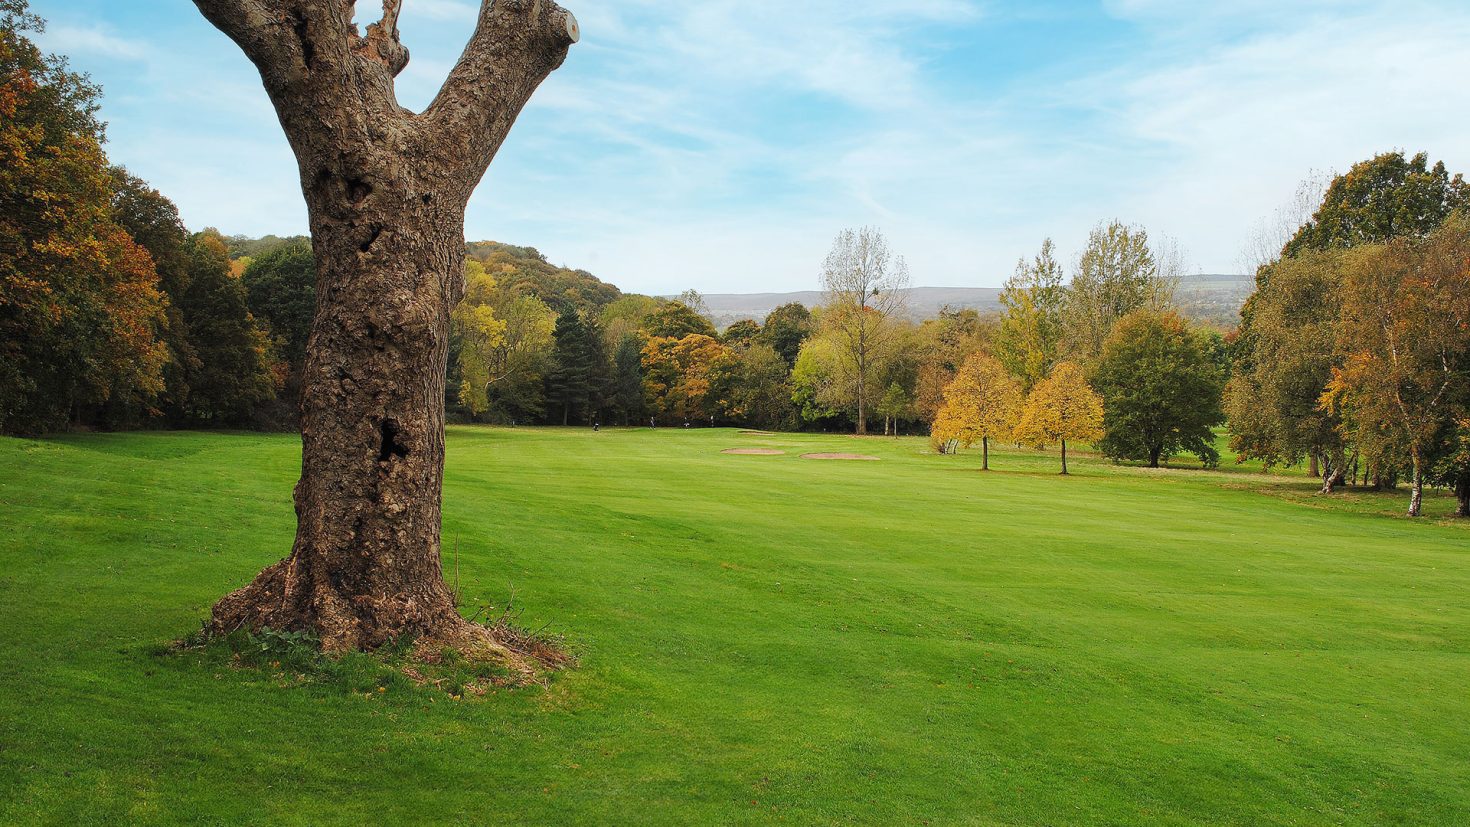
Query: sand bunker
<point x="863" y="457"/>
<point x="754" y="452"/>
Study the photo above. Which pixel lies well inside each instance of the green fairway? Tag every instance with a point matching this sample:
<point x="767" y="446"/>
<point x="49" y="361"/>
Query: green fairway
<point x="764" y="639"/>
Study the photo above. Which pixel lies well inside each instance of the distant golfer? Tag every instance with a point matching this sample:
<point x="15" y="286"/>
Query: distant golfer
<point x="596" y="426"/>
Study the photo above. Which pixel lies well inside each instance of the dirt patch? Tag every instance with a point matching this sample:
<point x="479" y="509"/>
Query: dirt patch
<point x="862" y="457"/>
<point x="754" y="452"/>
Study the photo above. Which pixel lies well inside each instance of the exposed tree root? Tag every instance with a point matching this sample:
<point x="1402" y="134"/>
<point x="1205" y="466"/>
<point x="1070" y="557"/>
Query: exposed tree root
<point x="284" y="598"/>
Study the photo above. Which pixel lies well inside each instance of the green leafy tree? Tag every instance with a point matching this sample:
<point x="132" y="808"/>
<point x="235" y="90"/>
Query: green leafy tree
<point x="785" y="328"/>
<point x="761" y="392"/>
<point x="280" y="285"/>
<point x="742" y="333"/>
<point x="1117" y="274"/>
<point x="1388" y="196"/>
<point x="231" y="380"/>
<point x="1161" y="391"/>
<point x="1450" y="465"/>
<point x="895" y="405"/>
<point x="1030" y="335"/>
<point x="819" y="381"/>
<point x="1284" y="361"/>
<point x="675" y="320"/>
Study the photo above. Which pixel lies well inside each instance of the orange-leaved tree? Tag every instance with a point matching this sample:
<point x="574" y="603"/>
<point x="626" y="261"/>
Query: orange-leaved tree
<point x="981" y="403"/>
<point x="1061" y="408"/>
<point x="686" y="378"/>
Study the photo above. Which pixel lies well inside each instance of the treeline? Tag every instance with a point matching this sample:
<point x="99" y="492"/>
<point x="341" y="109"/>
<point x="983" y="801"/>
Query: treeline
<point x="1354" y="352"/>
<point x="110" y="312"/>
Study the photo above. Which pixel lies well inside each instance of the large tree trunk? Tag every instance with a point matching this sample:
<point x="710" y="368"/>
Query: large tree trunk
<point x="1462" y="496"/>
<point x="1153" y="455"/>
<point x="984" y="453"/>
<point x="365" y="565"/>
<point x="386" y="192"/>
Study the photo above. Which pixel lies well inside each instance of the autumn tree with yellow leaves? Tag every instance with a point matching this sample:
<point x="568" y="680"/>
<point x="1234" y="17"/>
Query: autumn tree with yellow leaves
<point x="982" y="403"/>
<point x="1404" y="345"/>
<point x="1062" y="408"/>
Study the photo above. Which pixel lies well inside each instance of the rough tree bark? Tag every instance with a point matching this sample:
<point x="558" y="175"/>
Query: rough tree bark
<point x="386" y="191"/>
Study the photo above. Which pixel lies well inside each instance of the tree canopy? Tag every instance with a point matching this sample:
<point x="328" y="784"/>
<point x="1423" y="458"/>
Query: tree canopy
<point x="1061" y="409"/>
<point x="982" y="403"/>
<point x="1160" y="390"/>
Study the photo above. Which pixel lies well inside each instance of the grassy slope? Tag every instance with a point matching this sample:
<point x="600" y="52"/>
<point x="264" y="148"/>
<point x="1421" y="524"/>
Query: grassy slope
<point x="765" y="639"/>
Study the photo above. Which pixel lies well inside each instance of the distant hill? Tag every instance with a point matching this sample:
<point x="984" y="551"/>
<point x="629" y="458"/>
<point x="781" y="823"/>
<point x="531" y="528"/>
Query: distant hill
<point x="526" y="269"/>
<point x="922" y="302"/>
<point x="1208" y="296"/>
<point x="1214" y="297"/>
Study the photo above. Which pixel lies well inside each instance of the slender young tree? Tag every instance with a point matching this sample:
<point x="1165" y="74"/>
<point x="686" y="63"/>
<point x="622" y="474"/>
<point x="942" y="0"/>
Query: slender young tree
<point x="982" y="403"/>
<point x="1030" y="332"/>
<point x="1117" y="274"/>
<point x="1062" y="408"/>
<point x="386" y="191"/>
<point x="864" y="288"/>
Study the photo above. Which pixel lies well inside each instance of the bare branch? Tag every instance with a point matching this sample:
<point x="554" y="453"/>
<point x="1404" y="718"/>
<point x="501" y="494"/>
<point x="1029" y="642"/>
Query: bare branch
<point x="516" y="44"/>
<point x="381" y="42"/>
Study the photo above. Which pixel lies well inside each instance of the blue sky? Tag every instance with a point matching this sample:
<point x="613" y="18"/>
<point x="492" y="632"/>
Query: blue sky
<point x="721" y="144"/>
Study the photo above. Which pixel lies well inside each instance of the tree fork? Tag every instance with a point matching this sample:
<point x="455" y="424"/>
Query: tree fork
<point x="386" y="191"/>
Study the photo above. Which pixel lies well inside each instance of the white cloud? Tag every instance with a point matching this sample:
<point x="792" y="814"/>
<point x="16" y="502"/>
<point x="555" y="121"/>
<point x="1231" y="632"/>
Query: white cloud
<point x="1234" y="129"/>
<point x="92" y="42"/>
<point x="721" y="144"/>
